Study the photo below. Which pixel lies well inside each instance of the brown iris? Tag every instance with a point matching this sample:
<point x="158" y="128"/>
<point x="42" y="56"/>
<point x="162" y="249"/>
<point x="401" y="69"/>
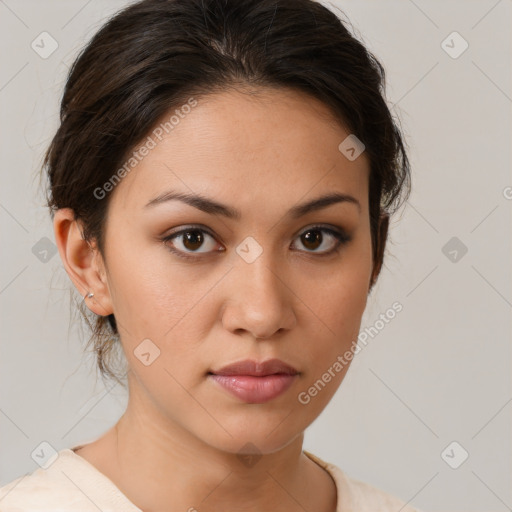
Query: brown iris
<point x="312" y="237"/>
<point x="193" y="240"/>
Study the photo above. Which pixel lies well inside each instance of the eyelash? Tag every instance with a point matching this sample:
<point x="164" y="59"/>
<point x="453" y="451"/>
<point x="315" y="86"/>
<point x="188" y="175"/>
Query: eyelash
<point x="341" y="236"/>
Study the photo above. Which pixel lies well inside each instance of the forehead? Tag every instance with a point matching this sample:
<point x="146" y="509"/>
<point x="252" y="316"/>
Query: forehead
<point x="246" y="144"/>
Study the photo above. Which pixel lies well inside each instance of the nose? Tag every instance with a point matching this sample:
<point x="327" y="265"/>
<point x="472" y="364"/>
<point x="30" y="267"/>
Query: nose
<point x="259" y="299"/>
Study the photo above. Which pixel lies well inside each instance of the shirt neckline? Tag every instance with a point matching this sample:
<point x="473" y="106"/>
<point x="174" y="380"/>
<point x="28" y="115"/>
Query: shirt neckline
<point x="109" y="489"/>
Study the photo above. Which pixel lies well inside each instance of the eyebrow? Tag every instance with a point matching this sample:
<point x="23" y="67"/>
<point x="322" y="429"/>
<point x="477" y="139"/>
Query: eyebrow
<point x="213" y="207"/>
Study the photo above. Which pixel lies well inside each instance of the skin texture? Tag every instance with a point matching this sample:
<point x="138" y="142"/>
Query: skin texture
<point x="261" y="152"/>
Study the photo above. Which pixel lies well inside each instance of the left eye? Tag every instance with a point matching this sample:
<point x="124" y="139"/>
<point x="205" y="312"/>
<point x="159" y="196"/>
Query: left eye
<point x="313" y="239"/>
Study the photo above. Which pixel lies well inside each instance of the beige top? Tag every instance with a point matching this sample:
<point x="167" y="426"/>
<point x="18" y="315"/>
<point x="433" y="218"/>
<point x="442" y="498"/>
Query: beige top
<point x="72" y="484"/>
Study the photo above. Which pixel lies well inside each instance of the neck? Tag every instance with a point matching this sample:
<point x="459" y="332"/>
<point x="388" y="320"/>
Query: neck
<point x="155" y="462"/>
<point x="172" y="466"/>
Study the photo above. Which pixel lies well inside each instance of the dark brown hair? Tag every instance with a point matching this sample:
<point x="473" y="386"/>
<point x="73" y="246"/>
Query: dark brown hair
<point x="155" y="54"/>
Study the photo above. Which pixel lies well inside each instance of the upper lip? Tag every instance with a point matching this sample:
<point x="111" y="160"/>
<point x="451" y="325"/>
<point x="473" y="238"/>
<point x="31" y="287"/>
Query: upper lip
<point x="256" y="369"/>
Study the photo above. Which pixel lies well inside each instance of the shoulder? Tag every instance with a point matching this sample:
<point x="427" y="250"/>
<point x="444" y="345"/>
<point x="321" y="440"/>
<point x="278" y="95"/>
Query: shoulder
<point x="368" y="497"/>
<point x="67" y="484"/>
<point x="355" y="495"/>
<point x="39" y="491"/>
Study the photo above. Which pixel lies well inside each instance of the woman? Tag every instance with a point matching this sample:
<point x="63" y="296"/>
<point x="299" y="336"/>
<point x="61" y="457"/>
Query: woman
<point x="220" y="186"/>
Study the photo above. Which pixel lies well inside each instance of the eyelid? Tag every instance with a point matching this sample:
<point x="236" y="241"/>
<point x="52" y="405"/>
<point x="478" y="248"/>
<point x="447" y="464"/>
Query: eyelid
<point x="189" y="227"/>
<point x="336" y="230"/>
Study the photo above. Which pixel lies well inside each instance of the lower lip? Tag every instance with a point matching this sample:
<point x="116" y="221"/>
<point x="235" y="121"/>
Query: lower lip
<point x="256" y="390"/>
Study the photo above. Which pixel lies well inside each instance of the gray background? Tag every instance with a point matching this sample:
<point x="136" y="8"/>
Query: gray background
<point x="438" y="372"/>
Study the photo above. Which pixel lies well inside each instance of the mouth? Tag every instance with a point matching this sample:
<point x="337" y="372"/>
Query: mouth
<point x="254" y="382"/>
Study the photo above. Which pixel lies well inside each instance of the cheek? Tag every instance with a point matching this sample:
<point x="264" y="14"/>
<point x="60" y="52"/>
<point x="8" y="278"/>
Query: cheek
<point x="150" y="293"/>
<point x="167" y="305"/>
<point x="339" y="298"/>
<point x="332" y="339"/>
<point x="337" y="307"/>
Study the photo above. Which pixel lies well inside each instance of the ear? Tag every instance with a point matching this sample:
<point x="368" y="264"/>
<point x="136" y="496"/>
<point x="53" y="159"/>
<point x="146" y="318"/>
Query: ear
<point x="82" y="262"/>
<point x="379" y="246"/>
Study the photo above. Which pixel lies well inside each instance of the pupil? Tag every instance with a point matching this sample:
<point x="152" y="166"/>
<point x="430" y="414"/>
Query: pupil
<point x="193" y="237"/>
<point x="309" y="238"/>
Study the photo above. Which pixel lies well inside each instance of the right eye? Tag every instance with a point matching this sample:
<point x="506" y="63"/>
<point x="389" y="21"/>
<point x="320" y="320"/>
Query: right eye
<point x="188" y="241"/>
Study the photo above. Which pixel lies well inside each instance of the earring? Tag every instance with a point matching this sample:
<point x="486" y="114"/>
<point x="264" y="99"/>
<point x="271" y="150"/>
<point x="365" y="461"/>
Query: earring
<point x="88" y="295"/>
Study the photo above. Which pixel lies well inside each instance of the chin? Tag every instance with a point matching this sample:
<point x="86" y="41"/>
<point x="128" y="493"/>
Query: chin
<point x="245" y="435"/>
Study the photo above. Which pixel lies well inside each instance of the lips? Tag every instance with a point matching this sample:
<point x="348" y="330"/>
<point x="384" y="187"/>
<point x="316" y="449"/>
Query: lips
<point x="254" y="382"/>
<point x="256" y="369"/>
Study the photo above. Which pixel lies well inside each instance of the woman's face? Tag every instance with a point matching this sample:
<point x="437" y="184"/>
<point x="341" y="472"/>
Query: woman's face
<point x="265" y="283"/>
